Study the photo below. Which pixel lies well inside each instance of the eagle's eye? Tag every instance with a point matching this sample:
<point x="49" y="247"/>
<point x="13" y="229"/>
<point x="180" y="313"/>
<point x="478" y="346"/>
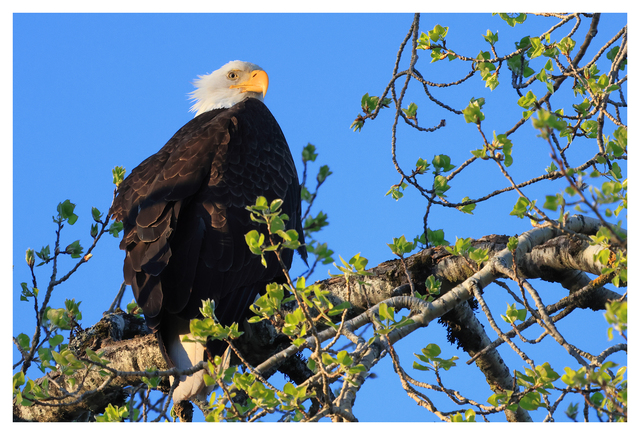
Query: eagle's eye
<point x="232" y="75"/>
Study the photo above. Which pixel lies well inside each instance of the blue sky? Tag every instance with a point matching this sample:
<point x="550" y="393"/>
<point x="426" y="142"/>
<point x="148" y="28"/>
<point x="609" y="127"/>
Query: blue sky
<point x="92" y="91"/>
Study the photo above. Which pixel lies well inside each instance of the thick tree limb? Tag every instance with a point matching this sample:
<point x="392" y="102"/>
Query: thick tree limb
<point x="117" y="336"/>
<point x="542" y="253"/>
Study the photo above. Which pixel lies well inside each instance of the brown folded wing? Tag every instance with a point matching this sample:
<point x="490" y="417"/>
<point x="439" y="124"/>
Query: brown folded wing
<point x="184" y="215"/>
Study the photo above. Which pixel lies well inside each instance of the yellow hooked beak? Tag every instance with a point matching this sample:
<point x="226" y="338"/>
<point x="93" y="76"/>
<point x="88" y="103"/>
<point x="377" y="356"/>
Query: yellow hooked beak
<point x="257" y="82"/>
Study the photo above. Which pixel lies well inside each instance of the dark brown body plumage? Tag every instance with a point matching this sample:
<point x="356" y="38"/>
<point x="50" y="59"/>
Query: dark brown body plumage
<point x="184" y="215"/>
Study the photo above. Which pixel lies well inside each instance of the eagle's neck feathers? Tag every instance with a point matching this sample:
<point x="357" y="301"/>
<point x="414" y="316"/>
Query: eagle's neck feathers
<point x="217" y="91"/>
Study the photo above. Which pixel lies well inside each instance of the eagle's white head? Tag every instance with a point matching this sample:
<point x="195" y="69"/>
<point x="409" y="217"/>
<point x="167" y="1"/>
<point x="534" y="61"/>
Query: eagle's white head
<point x="234" y="82"/>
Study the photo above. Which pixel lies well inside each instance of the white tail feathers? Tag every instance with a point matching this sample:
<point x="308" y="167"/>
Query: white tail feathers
<point x="185" y="355"/>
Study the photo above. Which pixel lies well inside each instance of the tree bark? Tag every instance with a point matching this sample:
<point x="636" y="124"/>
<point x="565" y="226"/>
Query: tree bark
<point x="130" y="348"/>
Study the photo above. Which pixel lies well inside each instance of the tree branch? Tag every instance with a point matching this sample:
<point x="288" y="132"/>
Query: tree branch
<point x="120" y="336"/>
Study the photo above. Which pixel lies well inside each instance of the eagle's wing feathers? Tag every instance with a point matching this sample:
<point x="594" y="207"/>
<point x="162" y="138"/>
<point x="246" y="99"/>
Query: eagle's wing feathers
<point x="184" y="212"/>
<point x="185" y="219"/>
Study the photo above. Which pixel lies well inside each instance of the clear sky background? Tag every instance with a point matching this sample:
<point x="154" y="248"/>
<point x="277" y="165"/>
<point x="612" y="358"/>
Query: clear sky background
<point x="92" y="91"/>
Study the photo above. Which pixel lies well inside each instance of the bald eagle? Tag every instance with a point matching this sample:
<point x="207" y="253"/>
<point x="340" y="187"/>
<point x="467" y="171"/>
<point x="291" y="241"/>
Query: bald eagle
<point x="184" y="216"/>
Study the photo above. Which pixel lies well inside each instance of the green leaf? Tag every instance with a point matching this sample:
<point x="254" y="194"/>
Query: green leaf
<point x="575" y="379"/>
<point x="521" y="207"/>
<point x="523" y="43"/>
<point x="528" y="101"/>
<point x="118" y="175"/>
<point x="468" y="209"/>
<point x="440" y="185"/>
<point x="611" y="54"/>
<point x="421" y="166"/>
<point x="208" y="309"/>
<point x="582" y="108"/>
<point x="359" y="368"/>
<point x="277" y="225"/>
<point x="401" y="246"/>
<point x="321" y="251"/>
<point x="536" y="48"/>
<point x="551" y="202"/>
<point x="531" y="401"/>
<point x="95" y="213"/>
<point x="544" y="78"/>
<point x="501" y="141"/>
<point x="411" y="111"/>
<point x="479" y="255"/>
<point x="473" y="113"/>
<point x="55" y="340"/>
<point x="545" y="372"/>
<point x="433" y="285"/>
<point x="491" y="81"/>
<point x="74" y="249"/>
<point x="26" y="293"/>
<point x="369" y="103"/>
<point x="480" y="153"/>
<point x="358" y="262"/>
<point x="436" y="54"/>
<point x="438" y="33"/>
<point x="442" y="162"/>
<point x="344" y="358"/>
<point x="385" y="312"/>
<point x="44" y="254"/>
<point x="357" y="124"/>
<point x="491" y="37"/>
<point x="498" y="399"/>
<point x="113" y="414"/>
<point x="621" y="135"/>
<point x="590" y="128"/>
<point x="65" y="212"/>
<point x="566" y="45"/>
<point x="323" y="173"/>
<point x="18" y="380"/>
<point x="432" y="350"/>
<point x="470" y="415"/>
<point x="421" y="367"/>
<point x="546" y="122"/>
<point x="309" y="153"/>
<point x="517" y="64"/>
<point x="513" y="19"/>
<point x="436" y="238"/>
<point x="445" y="364"/>
<point x="314" y="224"/>
<point x="328" y="359"/>
<point x="338" y="309"/>
<point x="423" y="42"/>
<point x="513" y="314"/>
<point x="255" y="241"/>
<point x="24" y="341"/>
<point x="275" y="205"/>
<point x="115" y="229"/>
<point x="396" y="191"/>
<point x="29" y="257"/>
<point x="311" y="364"/>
